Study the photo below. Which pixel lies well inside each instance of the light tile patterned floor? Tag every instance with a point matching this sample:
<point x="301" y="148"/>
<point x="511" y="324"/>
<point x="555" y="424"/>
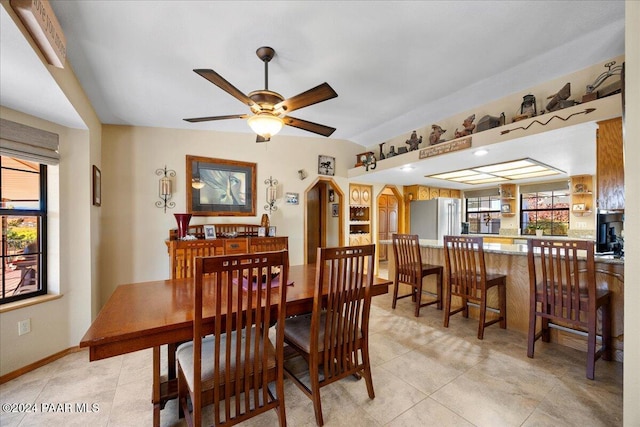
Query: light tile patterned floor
<point x="423" y="374"/>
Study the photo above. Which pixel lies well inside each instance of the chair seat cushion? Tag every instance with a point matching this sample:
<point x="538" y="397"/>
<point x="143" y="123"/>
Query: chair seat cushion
<point x="184" y="355"/>
<point x="297" y="331"/>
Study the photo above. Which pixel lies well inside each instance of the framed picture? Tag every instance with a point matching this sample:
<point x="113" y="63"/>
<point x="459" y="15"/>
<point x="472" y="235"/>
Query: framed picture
<point x="332" y="196"/>
<point x="506" y="208"/>
<point x="209" y="231"/>
<point x="579" y="207"/>
<point x="229" y="187"/>
<point x="97" y="186"/>
<point x="262" y="231"/>
<point x="291" y="198"/>
<point x="326" y="165"/>
<point x="272" y="231"/>
<point x="334" y="209"/>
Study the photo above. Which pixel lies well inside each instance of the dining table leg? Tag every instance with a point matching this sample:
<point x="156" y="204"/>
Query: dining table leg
<point x="156" y="387"/>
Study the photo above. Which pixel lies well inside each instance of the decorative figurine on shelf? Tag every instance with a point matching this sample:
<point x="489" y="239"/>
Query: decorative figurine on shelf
<point x="436" y="133"/>
<point x="559" y="100"/>
<point x="414" y="141"/>
<point x="392" y="152"/>
<point x="381" y="156"/>
<point x="468" y="127"/>
<point x="528" y="108"/>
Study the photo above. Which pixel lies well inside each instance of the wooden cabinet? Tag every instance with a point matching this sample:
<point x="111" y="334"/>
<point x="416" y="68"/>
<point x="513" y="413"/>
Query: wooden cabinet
<point x="359" y="214"/>
<point x="421" y="192"/>
<point x="609" y="165"/>
<point x="359" y="194"/>
<point x="507" y="200"/>
<point x="387" y="222"/>
<point x="581" y="195"/>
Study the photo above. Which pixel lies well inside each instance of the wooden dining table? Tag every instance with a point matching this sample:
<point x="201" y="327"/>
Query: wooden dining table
<point x="145" y="315"/>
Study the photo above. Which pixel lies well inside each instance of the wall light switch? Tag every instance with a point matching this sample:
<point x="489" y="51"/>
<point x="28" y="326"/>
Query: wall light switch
<point x="24" y="327"/>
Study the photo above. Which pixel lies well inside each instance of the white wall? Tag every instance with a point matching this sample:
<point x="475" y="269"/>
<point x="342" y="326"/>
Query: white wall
<point x="631" y="393"/>
<point x="134" y="229"/>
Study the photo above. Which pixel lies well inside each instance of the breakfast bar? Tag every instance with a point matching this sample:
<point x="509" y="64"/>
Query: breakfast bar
<point x="511" y="260"/>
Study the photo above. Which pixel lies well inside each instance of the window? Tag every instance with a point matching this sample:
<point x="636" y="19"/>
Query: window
<point x="546" y="210"/>
<point x="483" y="214"/>
<point x="23" y="213"/>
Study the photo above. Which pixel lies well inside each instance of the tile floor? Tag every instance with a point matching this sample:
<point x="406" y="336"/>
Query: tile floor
<point x="423" y="374"/>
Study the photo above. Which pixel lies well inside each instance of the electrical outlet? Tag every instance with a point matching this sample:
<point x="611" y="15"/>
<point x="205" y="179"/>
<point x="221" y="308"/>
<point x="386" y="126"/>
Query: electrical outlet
<point x="24" y="327"/>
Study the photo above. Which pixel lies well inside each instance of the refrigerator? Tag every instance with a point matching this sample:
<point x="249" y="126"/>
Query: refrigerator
<point x="435" y="218"/>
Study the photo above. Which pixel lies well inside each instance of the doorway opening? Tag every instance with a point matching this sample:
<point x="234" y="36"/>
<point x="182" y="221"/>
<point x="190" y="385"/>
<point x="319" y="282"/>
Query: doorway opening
<point x="390" y="210"/>
<point x="324" y="218"/>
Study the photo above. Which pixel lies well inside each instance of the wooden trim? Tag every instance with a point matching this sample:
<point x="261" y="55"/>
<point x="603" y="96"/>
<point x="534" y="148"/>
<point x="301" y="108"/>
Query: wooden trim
<point x="38" y="364"/>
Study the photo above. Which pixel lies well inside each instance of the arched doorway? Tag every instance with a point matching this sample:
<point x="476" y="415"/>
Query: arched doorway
<point x="324" y="219"/>
<point x="390" y="210"/>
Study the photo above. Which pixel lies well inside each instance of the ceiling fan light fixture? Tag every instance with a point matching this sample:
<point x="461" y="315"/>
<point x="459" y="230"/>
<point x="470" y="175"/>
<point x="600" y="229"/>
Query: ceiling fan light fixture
<point x="265" y="124"/>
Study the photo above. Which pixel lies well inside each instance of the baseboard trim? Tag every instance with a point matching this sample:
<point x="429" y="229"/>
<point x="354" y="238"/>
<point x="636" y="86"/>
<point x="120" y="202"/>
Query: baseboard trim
<point x="35" y="365"/>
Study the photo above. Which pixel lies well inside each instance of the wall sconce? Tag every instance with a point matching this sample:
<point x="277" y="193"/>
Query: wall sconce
<point x="164" y="188"/>
<point x="272" y="193"/>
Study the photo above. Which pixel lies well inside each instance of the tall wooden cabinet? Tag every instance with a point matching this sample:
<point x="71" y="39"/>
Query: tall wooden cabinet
<point x="387" y="222"/>
<point x="609" y="165"/>
<point x="359" y="214"/>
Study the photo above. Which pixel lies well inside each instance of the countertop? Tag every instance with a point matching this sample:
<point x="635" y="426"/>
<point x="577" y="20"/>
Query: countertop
<point x="510" y="249"/>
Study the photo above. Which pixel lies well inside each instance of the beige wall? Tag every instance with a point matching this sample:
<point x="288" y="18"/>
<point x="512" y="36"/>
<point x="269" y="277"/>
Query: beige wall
<point x="134" y="229"/>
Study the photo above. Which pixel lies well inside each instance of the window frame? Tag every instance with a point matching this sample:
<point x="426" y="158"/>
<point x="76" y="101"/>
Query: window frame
<point x="553" y="212"/>
<point x="41" y="214"/>
<point x="494" y="214"/>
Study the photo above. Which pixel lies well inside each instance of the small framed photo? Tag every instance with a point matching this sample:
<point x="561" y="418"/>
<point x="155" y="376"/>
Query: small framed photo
<point x="332" y="196"/>
<point x="326" y="165"/>
<point x="209" y="231"/>
<point x="579" y="207"/>
<point x="506" y="208"/>
<point x="335" y="209"/>
<point x="97" y="186"/>
<point x="291" y="198"/>
<point x="272" y="231"/>
<point x="262" y="231"/>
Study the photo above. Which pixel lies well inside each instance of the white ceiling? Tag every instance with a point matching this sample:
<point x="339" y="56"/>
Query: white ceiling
<point x="395" y="65"/>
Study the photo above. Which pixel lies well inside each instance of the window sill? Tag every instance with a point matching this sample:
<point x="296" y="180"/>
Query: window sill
<point x="4" y="308"/>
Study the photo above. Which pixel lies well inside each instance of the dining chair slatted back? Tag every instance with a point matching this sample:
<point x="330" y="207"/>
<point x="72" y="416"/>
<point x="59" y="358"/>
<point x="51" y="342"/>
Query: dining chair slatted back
<point x="563" y="291"/>
<point x="334" y="338"/>
<point x="232" y="368"/>
<point x="410" y="269"/>
<point x="182" y="259"/>
<point x="467" y="278"/>
<point x="267" y="244"/>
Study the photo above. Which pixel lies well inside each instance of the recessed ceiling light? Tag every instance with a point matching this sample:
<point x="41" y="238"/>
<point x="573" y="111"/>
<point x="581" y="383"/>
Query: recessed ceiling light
<point x="407" y="168"/>
<point x="481" y="152"/>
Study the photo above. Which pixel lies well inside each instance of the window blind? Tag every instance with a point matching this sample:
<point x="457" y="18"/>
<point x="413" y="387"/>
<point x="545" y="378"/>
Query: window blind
<point x="28" y="143"/>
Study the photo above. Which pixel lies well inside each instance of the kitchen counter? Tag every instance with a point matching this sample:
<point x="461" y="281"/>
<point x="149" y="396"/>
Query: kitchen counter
<point x="511" y="260"/>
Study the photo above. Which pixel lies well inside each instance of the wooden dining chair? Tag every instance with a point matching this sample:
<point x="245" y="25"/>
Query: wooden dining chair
<point x="411" y="270"/>
<point x="267" y="244"/>
<point x="467" y="278"/>
<point x="232" y="368"/>
<point x="334" y="338"/>
<point x="563" y="294"/>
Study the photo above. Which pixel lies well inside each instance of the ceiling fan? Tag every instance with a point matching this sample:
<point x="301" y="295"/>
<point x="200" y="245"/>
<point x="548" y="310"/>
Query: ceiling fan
<point x="270" y="109"/>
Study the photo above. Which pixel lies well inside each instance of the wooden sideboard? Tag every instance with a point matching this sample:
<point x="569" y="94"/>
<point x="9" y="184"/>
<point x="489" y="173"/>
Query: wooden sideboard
<point x="182" y="252"/>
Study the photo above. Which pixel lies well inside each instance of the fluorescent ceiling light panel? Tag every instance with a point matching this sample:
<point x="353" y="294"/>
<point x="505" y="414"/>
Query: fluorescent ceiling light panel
<point x="516" y="169"/>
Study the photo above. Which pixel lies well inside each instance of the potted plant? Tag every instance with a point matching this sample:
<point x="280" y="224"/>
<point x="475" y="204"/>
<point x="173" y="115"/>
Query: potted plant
<point x="539" y="230"/>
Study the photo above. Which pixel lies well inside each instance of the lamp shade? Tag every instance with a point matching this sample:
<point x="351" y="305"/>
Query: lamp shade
<point x="265" y="124"/>
<point x="197" y="183"/>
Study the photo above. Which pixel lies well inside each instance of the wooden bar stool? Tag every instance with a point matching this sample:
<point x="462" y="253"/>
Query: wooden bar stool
<point x="563" y="294"/>
<point x="467" y="278"/>
<point x="411" y="270"/>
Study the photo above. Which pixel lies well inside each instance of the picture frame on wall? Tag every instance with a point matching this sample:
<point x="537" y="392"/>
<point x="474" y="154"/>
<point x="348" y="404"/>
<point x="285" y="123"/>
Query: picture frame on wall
<point x="292" y="198"/>
<point x="229" y="187"/>
<point x="209" y="232"/>
<point x="97" y="186"/>
<point x="326" y="165"/>
<point x="335" y="209"/>
<point x="332" y="196"/>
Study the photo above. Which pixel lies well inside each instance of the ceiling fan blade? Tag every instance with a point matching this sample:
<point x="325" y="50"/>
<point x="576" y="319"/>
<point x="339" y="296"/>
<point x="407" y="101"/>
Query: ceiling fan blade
<point x="219" y="81"/>
<point x="319" y="93"/>
<point x="260" y="138"/>
<point x="308" y="126"/>
<point x="211" y="118"/>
